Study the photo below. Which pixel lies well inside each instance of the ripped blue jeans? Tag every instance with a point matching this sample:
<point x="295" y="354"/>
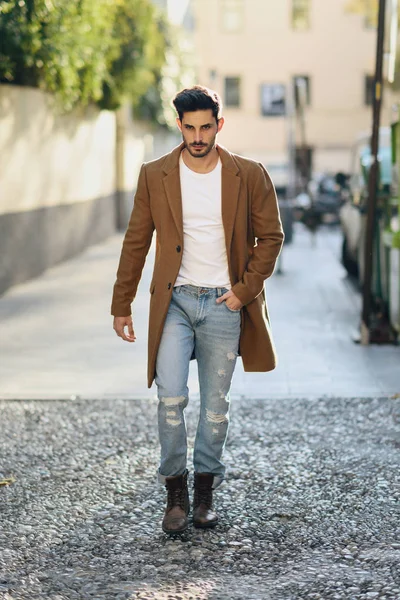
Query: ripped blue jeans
<point x="195" y="322"/>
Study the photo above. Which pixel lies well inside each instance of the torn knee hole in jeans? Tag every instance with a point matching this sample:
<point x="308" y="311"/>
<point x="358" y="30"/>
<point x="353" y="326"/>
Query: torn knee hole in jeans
<point x="216" y="418"/>
<point x="174" y="422"/>
<point x="172" y="418"/>
<point x="173" y="400"/>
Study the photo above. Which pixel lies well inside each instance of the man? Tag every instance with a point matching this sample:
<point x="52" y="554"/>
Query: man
<point x="218" y="237"/>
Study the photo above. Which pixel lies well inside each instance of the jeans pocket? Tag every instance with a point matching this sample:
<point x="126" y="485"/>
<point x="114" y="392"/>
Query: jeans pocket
<point x="231" y="309"/>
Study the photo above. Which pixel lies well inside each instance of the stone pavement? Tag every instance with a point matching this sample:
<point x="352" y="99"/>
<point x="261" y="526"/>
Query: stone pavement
<point x="309" y="510"/>
<point x="57" y="339"/>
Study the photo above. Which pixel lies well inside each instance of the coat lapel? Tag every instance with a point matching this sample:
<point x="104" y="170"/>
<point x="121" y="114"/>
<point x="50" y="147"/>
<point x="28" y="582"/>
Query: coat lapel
<point x="172" y="187"/>
<point x="230" y="194"/>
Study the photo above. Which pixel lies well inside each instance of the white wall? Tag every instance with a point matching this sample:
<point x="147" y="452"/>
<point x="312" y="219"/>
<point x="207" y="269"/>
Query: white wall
<point x="49" y="159"/>
<point x="66" y="181"/>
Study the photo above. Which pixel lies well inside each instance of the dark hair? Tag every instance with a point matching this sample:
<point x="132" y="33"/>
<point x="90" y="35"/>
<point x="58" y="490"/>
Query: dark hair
<point x="195" y="98"/>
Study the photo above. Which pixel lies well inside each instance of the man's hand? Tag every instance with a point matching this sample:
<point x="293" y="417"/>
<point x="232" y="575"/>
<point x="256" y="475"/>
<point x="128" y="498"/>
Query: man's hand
<point x="231" y="300"/>
<point x="119" y="327"/>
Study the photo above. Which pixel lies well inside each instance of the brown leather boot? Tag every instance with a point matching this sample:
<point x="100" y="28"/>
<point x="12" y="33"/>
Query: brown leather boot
<point x="203" y="515"/>
<point x="175" y="518"/>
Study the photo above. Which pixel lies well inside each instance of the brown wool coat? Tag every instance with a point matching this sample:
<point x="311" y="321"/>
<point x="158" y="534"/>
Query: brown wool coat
<point x="253" y="237"/>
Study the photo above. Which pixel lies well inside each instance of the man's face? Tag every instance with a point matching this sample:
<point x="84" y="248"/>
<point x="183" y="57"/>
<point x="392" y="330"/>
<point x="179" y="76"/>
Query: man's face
<point x="199" y="131"/>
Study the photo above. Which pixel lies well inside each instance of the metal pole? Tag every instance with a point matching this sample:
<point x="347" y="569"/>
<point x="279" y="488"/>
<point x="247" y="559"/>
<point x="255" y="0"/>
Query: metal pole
<point x="373" y="180"/>
<point x="120" y="220"/>
<point x="291" y="137"/>
<point x="302" y="101"/>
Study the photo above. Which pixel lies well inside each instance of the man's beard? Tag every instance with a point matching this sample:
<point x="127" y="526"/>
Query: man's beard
<point x="200" y="153"/>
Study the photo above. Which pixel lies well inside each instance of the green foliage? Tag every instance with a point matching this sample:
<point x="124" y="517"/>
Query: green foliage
<point x="82" y="51"/>
<point x="141" y="37"/>
<point x="396" y="83"/>
<point x="396" y="240"/>
<point x="177" y="73"/>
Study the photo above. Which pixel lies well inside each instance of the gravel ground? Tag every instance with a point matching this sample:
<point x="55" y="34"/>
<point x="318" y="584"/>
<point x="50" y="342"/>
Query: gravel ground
<point x="310" y="509"/>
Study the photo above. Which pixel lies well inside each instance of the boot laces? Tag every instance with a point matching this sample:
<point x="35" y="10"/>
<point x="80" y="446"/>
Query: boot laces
<point x="176" y="497"/>
<point x="203" y="495"/>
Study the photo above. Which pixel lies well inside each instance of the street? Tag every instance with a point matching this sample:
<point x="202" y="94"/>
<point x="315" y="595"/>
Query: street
<point x="310" y="506"/>
<point x="57" y="340"/>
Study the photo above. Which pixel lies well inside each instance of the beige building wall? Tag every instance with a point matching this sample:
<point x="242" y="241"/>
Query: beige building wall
<point x="48" y="159"/>
<point x="66" y="181"/>
<point x="336" y="52"/>
<point x="137" y="142"/>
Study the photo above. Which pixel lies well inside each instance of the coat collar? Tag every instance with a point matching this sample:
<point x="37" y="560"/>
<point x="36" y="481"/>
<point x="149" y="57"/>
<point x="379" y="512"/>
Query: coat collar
<point x="229" y="191"/>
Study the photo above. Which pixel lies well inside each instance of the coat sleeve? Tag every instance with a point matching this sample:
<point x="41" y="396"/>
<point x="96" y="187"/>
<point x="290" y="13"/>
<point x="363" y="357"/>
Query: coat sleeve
<point x="135" y="247"/>
<point x="268" y="234"/>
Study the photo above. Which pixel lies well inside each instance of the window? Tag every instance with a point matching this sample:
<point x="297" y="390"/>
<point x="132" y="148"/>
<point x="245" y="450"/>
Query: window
<point x="232" y="91"/>
<point x="301" y="14"/>
<point x="301" y="82"/>
<point x="232" y="15"/>
<point x="369" y="90"/>
<point x="273" y="99"/>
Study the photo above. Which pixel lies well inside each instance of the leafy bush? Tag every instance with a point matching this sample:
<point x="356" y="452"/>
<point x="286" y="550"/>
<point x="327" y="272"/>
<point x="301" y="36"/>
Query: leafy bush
<point x="82" y="51"/>
<point x="141" y="37"/>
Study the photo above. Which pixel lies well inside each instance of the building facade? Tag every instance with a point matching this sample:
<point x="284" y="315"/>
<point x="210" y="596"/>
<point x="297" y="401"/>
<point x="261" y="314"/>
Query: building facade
<point x="253" y="51"/>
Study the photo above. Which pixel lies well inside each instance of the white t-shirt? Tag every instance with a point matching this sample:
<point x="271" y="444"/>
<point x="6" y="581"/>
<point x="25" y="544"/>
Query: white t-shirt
<point x="204" y="260"/>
